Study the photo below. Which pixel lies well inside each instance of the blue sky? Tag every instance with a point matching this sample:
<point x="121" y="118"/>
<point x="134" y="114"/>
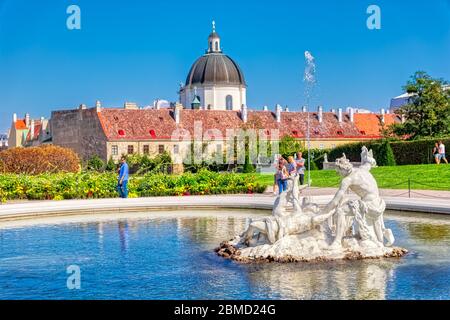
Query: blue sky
<point x="140" y="50"/>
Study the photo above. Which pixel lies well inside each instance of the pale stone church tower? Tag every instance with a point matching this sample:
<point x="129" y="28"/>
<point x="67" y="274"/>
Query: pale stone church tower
<point x="215" y="81"/>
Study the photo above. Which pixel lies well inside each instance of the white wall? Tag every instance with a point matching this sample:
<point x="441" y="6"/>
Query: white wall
<point x="215" y="96"/>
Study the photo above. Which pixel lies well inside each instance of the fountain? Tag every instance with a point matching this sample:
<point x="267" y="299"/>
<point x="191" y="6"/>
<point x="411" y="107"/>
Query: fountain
<point x="299" y="230"/>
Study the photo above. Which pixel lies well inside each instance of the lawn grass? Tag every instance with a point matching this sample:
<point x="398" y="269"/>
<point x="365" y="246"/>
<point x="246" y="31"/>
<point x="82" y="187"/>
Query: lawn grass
<point x="424" y="177"/>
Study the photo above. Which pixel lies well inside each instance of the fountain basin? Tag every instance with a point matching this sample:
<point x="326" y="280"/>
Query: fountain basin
<point x="170" y="255"/>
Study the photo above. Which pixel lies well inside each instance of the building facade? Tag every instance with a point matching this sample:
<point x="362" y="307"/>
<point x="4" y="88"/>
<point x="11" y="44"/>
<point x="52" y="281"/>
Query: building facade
<point x="3" y="141"/>
<point x="29" y="132"/>
<point x="113" y="132"/>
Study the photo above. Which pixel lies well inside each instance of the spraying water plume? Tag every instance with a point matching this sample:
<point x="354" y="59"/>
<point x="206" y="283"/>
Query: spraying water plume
<point x="310" y="80"/>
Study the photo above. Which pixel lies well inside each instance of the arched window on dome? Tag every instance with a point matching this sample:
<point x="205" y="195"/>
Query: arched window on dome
<point x="229" y="102"/>
<point x="217" y="45"/>
<point x="210" y="46"/>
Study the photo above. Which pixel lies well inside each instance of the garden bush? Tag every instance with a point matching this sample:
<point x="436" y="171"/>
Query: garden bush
<point x="416" y="151"/>
<point x="388" y="153"/>
<point x="89" y="185"/>
<point x="95" y="163"/>
<point x="141" y="164"/>
<point x="38" y="160"/>
<point x="382" y="152"/>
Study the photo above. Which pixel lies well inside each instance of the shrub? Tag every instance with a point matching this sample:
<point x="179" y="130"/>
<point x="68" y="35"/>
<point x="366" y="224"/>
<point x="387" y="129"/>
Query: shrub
<point x="141" y="164"/>
<point x="37" y="160"/>
<point x="415" y="152"/>
<point x="111" y="165"/>
<point x="95" y="164"/>
<point x="381" y="150"/>
<point x="386" y="157"/>
<point x="87" y="185"/>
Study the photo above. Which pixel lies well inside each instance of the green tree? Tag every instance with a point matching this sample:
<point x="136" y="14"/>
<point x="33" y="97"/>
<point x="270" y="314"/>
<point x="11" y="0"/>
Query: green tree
<point x="427" y="113"/>
<point x="95" y="163"/>
<point x="288" y="146"/>
<point x="111" y="165"/>
<point x="385" y="155"/>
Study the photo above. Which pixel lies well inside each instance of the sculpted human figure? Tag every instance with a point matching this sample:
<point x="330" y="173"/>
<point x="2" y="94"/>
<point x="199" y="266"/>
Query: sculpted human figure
<point x="367" y="211"/>
<point x="285" y="222"/>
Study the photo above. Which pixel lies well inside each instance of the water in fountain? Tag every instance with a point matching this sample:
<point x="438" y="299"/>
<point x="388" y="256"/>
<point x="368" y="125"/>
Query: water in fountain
<point x="310" y="80"/>
<point x="310" y="69"/>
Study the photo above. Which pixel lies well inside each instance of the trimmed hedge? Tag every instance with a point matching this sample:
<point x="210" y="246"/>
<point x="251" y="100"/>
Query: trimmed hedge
<point x="38" y="160"/>
<point x="103" y="185"/>
<point x="392" y="152"/>
<point x="382" y="152"/>
<point x="415" y="152"/>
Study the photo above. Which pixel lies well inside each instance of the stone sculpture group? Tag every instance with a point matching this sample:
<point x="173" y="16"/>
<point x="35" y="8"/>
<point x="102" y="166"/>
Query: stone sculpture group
<point x="300" y="230"/>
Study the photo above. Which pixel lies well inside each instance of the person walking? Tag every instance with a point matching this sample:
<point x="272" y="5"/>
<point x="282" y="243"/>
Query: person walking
<point x="442" y="152"/>
<point x="122" y="184"/>
<point x="300" y="167"/>
<point x="436" y="153"/>
<point x="281" y="177"/>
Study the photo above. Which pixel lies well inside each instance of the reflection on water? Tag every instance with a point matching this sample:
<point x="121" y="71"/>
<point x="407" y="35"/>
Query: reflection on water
<point x="123" y="235"/>
<point x="173" y="258"/>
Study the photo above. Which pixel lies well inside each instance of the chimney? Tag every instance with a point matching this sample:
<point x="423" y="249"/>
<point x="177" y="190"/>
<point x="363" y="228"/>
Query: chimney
<point x="351" y="113"/>
<point x="42" y="124"/>
<point x="304" y="109"/>
<point x="340" y="114"/>
<point x="265" y="108"/>
<point x="27" y="119"/>
<point x="14" y="117"/>
<point x="177" y="112"/>
<point x="244" y="114"/>
<point x="82" y="106"/>
<point x="98" y="104"/>
<point x="332" y="110"/>
<point x="286" y="109"/>
<point x="320" y="114"/>
<point x="382" y="114"/>
<point x="32" y="130"/>
<point x="130" y="106"/>
<point x="278" y="109"/>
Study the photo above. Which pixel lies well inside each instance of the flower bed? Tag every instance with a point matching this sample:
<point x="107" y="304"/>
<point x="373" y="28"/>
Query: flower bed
<point x="103" y="185"/>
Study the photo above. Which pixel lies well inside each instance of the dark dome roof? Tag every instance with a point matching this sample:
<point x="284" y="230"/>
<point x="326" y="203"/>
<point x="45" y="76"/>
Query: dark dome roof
<point x="215" y="68"/>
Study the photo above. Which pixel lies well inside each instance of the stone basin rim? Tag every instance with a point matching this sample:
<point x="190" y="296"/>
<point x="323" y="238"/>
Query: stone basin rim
<point x="38" y="209"/>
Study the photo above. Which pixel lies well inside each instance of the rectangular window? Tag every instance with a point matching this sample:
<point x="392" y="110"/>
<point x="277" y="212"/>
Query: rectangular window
<point x="130" y="149"/>
<point x="219" y="150"/>
<point x="115" y="150"/>
<point x="321" y="146"/>
<point x="146" y="149"/>
<point x="161" y="148"/>
<point x="176" y="149"/>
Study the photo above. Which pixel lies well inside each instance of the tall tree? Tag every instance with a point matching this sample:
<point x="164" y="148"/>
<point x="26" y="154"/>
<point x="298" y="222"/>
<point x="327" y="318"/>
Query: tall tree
<point x="427" y="113"/>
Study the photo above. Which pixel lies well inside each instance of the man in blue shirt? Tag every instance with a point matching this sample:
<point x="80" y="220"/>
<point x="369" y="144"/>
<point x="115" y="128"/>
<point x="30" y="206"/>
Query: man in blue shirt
<point x="122" y="185"/>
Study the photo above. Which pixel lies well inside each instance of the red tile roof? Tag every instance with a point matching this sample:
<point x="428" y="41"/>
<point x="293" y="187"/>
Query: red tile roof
<point x="21" y="124"/>
<point x="369" y="123"/>
<point x="37" y="131"/>
<point x="122" y="124"/>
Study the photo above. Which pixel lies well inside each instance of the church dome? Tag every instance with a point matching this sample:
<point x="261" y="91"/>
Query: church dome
<point x="216" y="69"/>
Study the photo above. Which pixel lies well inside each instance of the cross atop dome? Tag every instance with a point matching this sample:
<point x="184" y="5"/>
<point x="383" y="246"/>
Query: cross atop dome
<point x="214" y="40"/>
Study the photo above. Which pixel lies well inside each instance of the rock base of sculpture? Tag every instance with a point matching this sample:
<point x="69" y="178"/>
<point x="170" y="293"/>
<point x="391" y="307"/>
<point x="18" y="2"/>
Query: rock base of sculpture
<point x="306" y="248"/>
